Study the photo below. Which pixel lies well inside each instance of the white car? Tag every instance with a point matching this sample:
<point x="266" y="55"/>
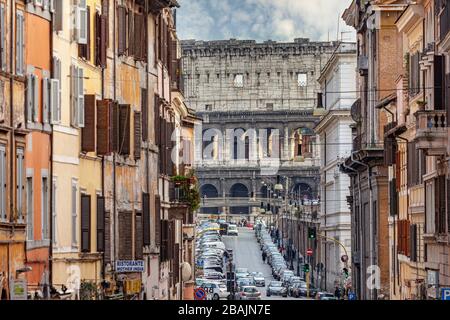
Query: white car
<point x="215" y="290"/>
<point x="232" y="230"/>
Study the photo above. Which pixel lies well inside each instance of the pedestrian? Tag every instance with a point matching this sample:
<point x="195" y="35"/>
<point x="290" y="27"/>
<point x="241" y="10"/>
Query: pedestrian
<point x="337" y="293"/>
<point x="264" y="255"/>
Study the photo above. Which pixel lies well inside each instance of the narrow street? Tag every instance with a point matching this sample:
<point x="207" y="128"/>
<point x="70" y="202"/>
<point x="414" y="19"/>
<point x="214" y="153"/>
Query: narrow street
<point x="247" y="254"/>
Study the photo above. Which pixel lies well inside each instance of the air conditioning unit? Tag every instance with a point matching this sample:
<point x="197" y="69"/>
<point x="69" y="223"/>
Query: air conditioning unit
<point x="363" y="64"/>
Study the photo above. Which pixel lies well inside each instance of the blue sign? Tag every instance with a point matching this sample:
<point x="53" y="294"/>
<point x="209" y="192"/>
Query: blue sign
<point x="445" y="293"/>
<point x="351" y="296"/>
<point x="200" y="263"/>
<point x="200" y="294"/>
<point x="129" y="266"/>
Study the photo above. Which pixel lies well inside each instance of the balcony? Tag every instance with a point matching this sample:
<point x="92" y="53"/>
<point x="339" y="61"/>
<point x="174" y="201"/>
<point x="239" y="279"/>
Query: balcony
<point x="431" y="131"/>
<point x="157" y="5"/>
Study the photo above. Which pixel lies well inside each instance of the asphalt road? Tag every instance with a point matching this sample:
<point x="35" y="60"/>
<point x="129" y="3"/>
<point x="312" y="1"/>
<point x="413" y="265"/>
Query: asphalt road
<point x="247" y="254"/>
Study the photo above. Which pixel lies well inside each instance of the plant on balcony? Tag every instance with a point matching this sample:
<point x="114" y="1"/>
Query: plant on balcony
<point x="189" y="186"/>
<point x="422" y="104"/>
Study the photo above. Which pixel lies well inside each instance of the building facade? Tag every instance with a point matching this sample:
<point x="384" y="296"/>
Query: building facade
<point x="338" y="82"/>
<point x="257" y="104"/>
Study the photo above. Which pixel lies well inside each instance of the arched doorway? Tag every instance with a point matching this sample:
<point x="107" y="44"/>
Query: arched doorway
<point x="209" y="191"/>
<point x="239" y="190"/>
<point x="302" y="191"/>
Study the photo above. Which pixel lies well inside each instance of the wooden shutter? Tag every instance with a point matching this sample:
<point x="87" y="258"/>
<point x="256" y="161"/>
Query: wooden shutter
<point x="162" y="148"/>
<point x="146" y="219"/>
<point x="88" y="131"/>
<point x="125" y="236"/>
<point x="74" y="95"/>
<point x="138" y="237"/>
<point x="115" y="126"/>
<point x="100" y="224"/>
<point x="137" y="135"/>
<point x="157" y="120"/>
<point x="3" y="46"/>
<point x="45" y="100"/>
<point x="58" y="15"/>
<point x="103" y="40"/>
<point x="439" y="82"/>
<point x="137" y="36"/>
<point x="98" y="38"/>
<point x="104" y="108"/>
<point x="164" y="240"/>
<point x="130" y="33"/>
<point x="441" y="209"/>
<point x="413" y="242"/>
<point x="407" y="238"/>
<point x="124" y="129"/>
<point x="85" y="223"/>
<point x="144" y="108"/>
<point x="158" y="235"/>
<point x="107" y="255"/>
<point x="121" y="26"/>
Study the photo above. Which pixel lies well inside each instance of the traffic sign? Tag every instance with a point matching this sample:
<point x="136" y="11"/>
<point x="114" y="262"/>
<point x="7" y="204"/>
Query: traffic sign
<point x="200" y="294"/>
<point x="351" y="296"/>
<point x="309" y="252"/>
<point x="445" y="294"/>
<point x="344" y="258"/>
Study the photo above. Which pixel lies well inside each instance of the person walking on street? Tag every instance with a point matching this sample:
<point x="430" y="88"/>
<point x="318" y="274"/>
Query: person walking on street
<point x="337" y="293"/>
<point x="264" y="255"/>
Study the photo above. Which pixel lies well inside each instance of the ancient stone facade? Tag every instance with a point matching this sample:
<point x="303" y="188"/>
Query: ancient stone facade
<point x="240" y="88"/>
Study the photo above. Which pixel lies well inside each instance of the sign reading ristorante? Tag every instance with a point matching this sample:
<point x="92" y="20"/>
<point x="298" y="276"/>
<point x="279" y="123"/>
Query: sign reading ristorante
<point x="130" y="266"/>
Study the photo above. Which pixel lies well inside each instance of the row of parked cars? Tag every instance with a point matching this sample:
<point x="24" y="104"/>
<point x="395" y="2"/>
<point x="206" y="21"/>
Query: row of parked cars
<point x="210" y="253"/>
<point x="287" y="283"/>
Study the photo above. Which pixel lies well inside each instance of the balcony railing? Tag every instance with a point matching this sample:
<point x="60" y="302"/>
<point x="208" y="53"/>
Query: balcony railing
<point x="431" y="131"/>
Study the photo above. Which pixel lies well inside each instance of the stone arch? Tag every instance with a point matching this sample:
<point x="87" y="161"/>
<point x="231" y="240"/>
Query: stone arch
<point x="239" y="190"/>
<point x="303" y="191"/>
<point x="209" y="191"/>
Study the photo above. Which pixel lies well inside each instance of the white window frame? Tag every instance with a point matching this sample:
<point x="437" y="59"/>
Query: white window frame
<point x="55" y="92"/>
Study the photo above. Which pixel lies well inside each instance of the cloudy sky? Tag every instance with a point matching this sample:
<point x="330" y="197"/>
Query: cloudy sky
<point x="280" y="20"/>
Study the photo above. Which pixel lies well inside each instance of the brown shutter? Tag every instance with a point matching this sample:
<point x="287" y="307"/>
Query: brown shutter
<point x="162" y="149"/>
<point x="138" y="240"/>
<point x="124" y="129"/>
<point x="98" y="38"/>
<point x="100" y="224"/>
<point x="107" y="237"/>
<point x="146" y="219"/>
<point x="88" y="45"/>
<point x="103" y="40"/>
<point x="144" y="108"/>
<point x="105" y="15"/>
<point x="439" y="82"/>
<point x="164" y="240"/>
<point x="158" y="220"/>
<point x="88" y="132"/>
<point x="103" y="127"/>
<point x="125" y="236"/>
<point x="407" y="238"/>
<point x="85" y="223"/>
<point x="137" y="135"/>
<point x="115" y="126"/>
<point x="130" y="33"/>
<point x="138" y="36"/>
<point x="121" y="26"/>
<point x="441" y="212"/>
<point x="157" y="120"/>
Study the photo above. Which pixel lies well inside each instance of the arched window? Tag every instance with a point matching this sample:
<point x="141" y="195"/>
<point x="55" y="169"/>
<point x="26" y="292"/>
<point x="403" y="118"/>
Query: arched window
<point x="239" y="190"/>
<point x="208" y="191"/>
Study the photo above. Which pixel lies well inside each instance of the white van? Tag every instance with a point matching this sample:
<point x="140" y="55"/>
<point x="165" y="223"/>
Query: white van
<point x="218" y="245"/>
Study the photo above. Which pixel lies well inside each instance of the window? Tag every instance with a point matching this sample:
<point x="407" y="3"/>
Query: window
<point x="122" y="29"/>
<point x="77" y="94"/>
<point x="100" y="224"/>
<point x="430" y="207"/>
<point x="85" y="223"/>
<point x="20" y="159"/>
<point x="269" y="106"/>
<point x="208" y="107"/>
<point x="2" y="183"/>
<point x="2" y="37"/>
<point x="84" y="46"/>
<point x="20" y="43"/>
<point x="82" y="22"/>
<point x="124" y="129"/>
<point x="30" y="209"/>
<point x="239" y="80"/>
<point x="101" y="39"/>
<point x="74" y="213"/>
<point x="45" y="211"/>
<point x="55" y="92"/>
<point x="32" y="98"/>
<point x="56" y="7"/>
<point x="302" y="79"/>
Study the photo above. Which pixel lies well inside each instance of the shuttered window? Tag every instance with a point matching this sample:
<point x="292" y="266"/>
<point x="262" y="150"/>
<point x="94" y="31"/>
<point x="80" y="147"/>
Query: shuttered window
<point x="158" y="220"/>
<point x="20" y="43"/>
<point x="441" y="195"/>
<point x="439" y="82"/>
<point x="107" y="255"/>
<point x="55" y="92"/>
<point x="105" y="17"/>
<point x="54" y="225"/>
<point x="403" y="240"/>
<point x="144" y="109"/>
<point x="3" y="47"/>
<point x="32" y="98"/>
<point x="104" y="117"/>
<point x="140" y="38"/>
<point x="74" y="213"/>
<point x="20" y="188"/>
<point x="77" y="96"/>
<point x="165" y="236"/>
<point x="45" y="208"/>
<point x="88" y="132"/>
<point x="146" y="219"/>
<point x="82" y="19"/>
<point x="46" y="100"/>
<point x="414" y="74"/>
<point x="122" y="29"/>
<point x="157" y="120"/>
<point x="413" y="242"/>
<point x="2" y="182"/>
<point x="130" y="33"/>
<point x="100" y="224"/>
<point x="84" y="49"/>
<point x="138" y="243"/>
<point x="137" y="135"/>
<point x="125" y="236"/>
<point x="115" y="127"/>
<point x="393" y="200"/>
<point x="124" y="129"/>
<point x="85" y="223"/>
<point x="58" y="9"/>
<point x="101" y="43"/>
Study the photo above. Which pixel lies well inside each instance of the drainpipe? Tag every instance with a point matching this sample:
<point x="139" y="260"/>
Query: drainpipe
<point x="103" y="171"/>
<point x="369" y="175"/>
<point x="114" y="153"/>
<point x="50" y="249"/>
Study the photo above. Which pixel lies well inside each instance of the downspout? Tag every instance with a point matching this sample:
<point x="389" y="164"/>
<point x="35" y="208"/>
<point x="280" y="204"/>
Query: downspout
<point x="114" y="153"/>
<point x="12" y="138"/>
<point x="103" y="269"/>
<point x="50" y="249"/>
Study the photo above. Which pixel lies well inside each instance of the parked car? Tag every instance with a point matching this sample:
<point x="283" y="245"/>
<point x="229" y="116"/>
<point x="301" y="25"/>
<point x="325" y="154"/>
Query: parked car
<point x="215" y="291"/>
<point x="276" y="288"/>
<point x="249" y="293"/>
<point x="301" y="291"/>
<point x="232" y="230"/>
<point x="325" y="296"/>
<point x="259" y="279"/>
